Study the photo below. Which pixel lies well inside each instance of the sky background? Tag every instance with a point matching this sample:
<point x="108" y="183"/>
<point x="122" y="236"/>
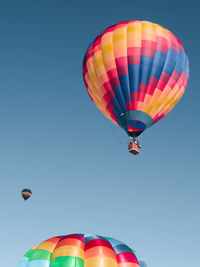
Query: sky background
<point x="54" y="140"/>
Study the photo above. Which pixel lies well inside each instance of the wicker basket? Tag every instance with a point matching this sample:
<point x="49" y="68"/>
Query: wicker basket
<point x="133" y="148"/>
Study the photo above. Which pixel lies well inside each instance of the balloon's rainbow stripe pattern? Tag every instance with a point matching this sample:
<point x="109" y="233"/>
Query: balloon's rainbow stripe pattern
<point x="78" y="250"/>
<point x="135" y="73"/>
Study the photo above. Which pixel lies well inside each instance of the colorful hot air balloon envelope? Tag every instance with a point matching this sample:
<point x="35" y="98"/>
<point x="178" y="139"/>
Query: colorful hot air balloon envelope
<point x="80" y="250"/>
<point x="26" y="194"/>
<point x="135" y="72"/>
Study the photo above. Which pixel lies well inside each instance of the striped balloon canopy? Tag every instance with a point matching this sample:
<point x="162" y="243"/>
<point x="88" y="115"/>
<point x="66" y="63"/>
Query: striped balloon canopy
<point x="80" y="250"/>
<point x="135" y="72"/>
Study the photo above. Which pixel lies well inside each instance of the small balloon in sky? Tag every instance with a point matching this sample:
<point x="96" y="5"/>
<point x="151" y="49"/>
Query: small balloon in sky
<point x="26" y="194"/>
<point x="135" y="72"/>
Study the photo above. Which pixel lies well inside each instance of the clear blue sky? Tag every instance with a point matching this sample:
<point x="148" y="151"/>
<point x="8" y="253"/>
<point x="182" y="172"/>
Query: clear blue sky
<point x="56" y="142"/>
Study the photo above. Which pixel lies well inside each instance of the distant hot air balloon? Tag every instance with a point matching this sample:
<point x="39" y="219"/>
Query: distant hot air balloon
<point x="142" y="264"/>
<point x="26" y="193"/>
<point x="78" y="250"/>
<point x="135" y="72"/>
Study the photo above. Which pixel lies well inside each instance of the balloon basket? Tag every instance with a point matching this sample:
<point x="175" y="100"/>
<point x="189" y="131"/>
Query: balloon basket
<point x="133" y="148"/>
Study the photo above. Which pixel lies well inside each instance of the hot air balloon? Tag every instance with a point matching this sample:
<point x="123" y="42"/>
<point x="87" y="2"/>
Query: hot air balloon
<point x="135" y="72"/>
<point x="78" y="250"/>
<point x="26" y="193"/>
<point x="142" y="264"/>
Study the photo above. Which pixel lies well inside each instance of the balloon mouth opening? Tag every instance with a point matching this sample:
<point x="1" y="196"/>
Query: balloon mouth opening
<point x="134" y="122"/>
<point x="135" y="128"/>
<point x="134" y="134"/>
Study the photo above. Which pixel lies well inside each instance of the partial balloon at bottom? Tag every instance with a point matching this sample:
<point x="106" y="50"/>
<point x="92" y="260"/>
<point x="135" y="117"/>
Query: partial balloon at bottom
<point x="80" y="250"/>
